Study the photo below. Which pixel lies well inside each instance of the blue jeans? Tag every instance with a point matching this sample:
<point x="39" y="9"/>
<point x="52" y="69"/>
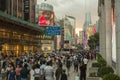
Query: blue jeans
<point x="18" y="77"/>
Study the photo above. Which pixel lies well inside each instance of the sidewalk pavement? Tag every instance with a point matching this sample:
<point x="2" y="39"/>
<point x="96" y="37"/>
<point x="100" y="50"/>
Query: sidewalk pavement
<point x="73" y="73"/>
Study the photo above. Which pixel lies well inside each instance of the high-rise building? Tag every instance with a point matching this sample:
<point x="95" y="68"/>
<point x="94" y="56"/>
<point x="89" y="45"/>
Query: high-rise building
<point x="72" y="24"/>
<point x="3" y="5"/>
<point x="87" y="21"/>
<point x="23" y="9"/>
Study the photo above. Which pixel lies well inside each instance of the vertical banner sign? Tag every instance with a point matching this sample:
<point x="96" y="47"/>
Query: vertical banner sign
<point x="26" y="9"/>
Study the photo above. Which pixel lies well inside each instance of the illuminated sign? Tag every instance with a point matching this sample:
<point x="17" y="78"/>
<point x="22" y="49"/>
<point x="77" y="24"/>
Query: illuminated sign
<point x="45" y="18"/>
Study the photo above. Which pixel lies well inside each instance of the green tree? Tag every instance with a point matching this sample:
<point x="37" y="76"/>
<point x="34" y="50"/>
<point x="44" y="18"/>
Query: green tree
<point x="93" y="41"/>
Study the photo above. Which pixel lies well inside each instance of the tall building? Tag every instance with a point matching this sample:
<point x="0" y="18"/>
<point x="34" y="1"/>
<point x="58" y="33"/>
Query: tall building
<point x="87" y="21"/>
<point x="109" y="22"/>
<point x="72" y="21"/>
<point x="3" y="4"/>
<point x="23" y="9"/>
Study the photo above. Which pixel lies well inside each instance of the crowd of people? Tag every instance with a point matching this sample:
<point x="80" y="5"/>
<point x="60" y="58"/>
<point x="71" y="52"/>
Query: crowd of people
<point x="40" y="67"/>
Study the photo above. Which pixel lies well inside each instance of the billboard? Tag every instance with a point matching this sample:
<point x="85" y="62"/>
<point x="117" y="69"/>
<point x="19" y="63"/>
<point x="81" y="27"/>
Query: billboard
<point x="45" y="18"/>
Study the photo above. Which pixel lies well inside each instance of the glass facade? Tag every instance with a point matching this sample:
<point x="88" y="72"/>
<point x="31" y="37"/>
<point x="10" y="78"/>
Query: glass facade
<point x="17" y="42"/>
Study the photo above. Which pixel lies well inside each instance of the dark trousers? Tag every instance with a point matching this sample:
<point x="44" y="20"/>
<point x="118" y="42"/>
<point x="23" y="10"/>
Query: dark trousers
<point x="18" y="77"/>
<point x="82" y="77"/>
<point x="76" y="68"/>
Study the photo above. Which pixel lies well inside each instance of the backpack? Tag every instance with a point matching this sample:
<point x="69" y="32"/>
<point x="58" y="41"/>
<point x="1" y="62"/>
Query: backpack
<point x="36" y="75"/>
<point x="42" y="74"/>
<point x="23" y="73"/>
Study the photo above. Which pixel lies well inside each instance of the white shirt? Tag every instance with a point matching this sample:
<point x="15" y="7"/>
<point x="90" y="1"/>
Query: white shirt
<point x="42" y="67"/>
<point x="49" y="72"/>
<point x="31" y="74"/>
<point x="85" y="60"/>
<point x="37" y="70"/>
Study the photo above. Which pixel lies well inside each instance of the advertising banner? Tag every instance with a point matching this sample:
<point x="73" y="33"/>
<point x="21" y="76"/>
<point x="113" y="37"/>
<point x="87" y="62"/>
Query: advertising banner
<point x="45" y="18"/>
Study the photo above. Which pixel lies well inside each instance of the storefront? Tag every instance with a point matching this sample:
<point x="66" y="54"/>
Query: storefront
<point x="17" y="35"/>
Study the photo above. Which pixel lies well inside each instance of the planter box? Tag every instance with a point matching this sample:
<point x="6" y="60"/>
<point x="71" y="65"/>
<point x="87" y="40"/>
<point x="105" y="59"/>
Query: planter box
<point x="94" y="78"/>
<point x="93" y="69"/>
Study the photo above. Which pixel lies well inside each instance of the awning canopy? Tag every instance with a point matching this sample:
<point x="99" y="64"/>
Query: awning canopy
<point x="21" y="22"/>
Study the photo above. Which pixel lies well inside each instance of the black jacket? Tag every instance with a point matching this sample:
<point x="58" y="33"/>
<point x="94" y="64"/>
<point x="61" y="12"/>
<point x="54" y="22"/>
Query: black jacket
<point x="64" y="77"/>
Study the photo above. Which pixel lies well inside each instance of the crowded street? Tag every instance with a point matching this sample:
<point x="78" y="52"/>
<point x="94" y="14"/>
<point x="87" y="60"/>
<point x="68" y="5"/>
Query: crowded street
<point x="53" y="66"/>
<point x="59" y="39"/>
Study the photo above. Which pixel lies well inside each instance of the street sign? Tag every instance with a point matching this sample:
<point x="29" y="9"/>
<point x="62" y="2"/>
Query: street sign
<point x="52" y="31"/>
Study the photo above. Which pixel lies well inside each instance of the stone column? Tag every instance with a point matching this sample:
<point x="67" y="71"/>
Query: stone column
<point x="108" y="25"/>
<point x="102" y="31"/>
<point x="117" y="22"/>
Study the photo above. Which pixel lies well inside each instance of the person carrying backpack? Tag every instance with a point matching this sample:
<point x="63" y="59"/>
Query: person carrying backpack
<point x="37" y="72"/>
<point x="42" y="70"/>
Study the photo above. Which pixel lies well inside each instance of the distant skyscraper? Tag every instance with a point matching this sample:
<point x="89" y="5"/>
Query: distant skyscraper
<point x="87" y="21"/>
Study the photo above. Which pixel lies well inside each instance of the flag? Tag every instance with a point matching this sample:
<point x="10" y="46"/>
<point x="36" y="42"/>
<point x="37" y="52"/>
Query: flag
<point x="94" y="30"/>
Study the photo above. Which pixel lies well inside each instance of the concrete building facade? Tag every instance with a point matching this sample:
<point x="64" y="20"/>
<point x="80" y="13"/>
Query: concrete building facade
<point x="23" y="9"/>
<point x="109" y="17"/>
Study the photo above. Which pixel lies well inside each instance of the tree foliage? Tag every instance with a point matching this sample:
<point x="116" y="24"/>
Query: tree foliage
<point x="93" y="41"/>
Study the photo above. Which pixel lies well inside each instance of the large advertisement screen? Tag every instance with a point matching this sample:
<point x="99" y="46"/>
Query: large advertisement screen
<point x="45" y="18"/>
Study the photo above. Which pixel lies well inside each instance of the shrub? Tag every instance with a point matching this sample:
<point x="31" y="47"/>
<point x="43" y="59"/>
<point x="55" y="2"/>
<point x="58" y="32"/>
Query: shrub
<point x="94" y="74"/>
<point x="104" y="70"/>
<point x="96" y="64"/>
<point x="111" y="77"/>
<point x="101" y="61"/>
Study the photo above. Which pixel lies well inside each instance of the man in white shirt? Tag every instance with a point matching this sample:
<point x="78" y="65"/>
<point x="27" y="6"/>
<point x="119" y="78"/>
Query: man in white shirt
<point x="42" y="67"/>
<point x="85" y="60"/>
<point x="49" y="72"/>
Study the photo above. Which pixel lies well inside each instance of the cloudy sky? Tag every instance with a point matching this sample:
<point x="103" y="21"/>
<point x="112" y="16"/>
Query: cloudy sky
<point x="76" y="8"/>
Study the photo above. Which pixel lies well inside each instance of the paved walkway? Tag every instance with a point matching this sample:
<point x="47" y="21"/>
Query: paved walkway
<point x="73" y="73"/>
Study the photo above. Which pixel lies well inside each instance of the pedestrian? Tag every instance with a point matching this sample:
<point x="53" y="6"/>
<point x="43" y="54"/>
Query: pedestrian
<point x="64" y="75"/>
<point x="32" y="73"/>
<point x="3" y="72"/>
<point x="18" y="69"/>
<point x="83" y="72"/>
<point x="58" y="72"/>
<point x="37" y="72"/>
<point x="49" y="72"/>
<point x="42" y="69"/>
<point x="68" y="65"/>
<point x="8" y="70"/>
<point x="12" y="73"/>
<point x="76" y="63"/>
<point x="24" y="73"/>
<point x="85" y="60"/>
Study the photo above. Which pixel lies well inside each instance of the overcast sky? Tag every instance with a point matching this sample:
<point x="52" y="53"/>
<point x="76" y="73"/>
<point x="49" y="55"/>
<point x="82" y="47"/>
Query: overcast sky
<point x="76" y="8"/>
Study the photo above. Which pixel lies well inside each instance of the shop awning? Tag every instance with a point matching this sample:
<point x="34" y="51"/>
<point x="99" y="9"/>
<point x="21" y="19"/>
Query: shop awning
<point x="21" y="22"/>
